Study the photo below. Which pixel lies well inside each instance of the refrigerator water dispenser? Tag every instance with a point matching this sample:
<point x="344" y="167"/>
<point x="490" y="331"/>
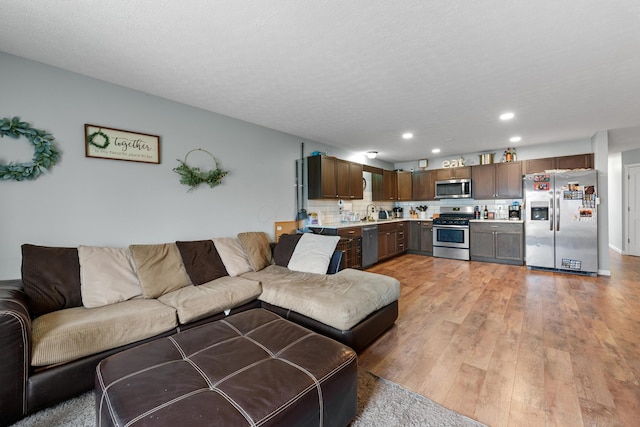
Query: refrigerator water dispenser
<point x="539" y="211"/>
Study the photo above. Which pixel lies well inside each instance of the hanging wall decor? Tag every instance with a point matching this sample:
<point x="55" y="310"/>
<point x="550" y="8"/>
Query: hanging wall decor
<point x="116" y="144"/>
<point x="193" y="176"/>
<point x="45" y="153"/>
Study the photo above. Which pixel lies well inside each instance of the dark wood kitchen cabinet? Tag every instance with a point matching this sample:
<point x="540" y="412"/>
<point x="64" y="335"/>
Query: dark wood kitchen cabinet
<point x="332" y="178"/>
<point x="392" y="239"/>
<point x="421" y="237"/>
<point x="497" y="181"/>
<point x="351" y="243"/>
<point x="349" y="180"/>
<point x="577" y="161"/>
<point x="387" y="235"/>
<point x="405" y="185"/>
<point x="497" y="242"/>
<point x="385" y="186"/>
<point x="402" y="237"/>
<point x="423" y="185"/>
<point x="453" y="173"/>
<point x="391" y="185"/>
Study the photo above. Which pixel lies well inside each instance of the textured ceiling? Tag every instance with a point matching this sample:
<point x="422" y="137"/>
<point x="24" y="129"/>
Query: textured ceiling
<point x="358" y="73"/>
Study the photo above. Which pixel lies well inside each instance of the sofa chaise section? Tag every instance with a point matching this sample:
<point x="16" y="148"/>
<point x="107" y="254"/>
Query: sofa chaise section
<point x="351" y="306"/>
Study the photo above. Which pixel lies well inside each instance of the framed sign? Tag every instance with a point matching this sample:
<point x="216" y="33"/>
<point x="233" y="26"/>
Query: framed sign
<point x="106" y="143"/>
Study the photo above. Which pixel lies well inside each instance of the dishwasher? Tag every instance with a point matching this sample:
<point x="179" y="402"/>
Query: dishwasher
<point x="369" y="245"/>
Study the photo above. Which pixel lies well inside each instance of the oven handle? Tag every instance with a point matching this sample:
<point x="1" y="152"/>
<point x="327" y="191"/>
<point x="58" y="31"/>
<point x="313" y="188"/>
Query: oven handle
<point x="459" y="227"/>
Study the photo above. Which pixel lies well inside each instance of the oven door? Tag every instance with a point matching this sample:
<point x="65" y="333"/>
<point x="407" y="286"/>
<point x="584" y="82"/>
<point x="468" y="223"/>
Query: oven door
<point x="451" y="236"/>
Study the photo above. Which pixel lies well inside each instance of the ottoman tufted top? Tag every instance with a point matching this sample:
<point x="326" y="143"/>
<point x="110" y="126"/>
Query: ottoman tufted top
<point x="253" y="368"/>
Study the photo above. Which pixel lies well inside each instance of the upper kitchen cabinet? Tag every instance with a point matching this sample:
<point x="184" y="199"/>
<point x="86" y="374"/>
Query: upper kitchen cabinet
<point x="391" y="185"/>
<point x="497" y="181"/>
<point x="578" y="161"/>
<point x="423" y="185"/>
<point x="405" y="185"/>
<point x="385" y="186"/>
<point x="332" y="178"/>
<point x="463" y="172"/>
<point x="349" y="180"/>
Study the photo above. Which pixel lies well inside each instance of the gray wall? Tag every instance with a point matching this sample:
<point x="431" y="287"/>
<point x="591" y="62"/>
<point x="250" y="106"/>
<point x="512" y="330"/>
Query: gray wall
<point x="88" y="201"/>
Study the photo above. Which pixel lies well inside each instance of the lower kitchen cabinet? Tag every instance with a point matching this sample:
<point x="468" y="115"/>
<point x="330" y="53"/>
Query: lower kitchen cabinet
<point x="497" y="242"/>
<point x="426" y="238"/>
<point x="392" y="239"/>
<point x="351" y="243"/>
<point x="421" y="237"/>
<point x="386" y="241"/>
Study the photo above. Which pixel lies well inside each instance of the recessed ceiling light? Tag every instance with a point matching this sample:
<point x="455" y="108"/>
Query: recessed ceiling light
<point x="507" y="116"/>
<point x="435" y="150"/>
<point x="515" y="139"/>
<point x="407" y="135"/>
<point x="372" y="154"/>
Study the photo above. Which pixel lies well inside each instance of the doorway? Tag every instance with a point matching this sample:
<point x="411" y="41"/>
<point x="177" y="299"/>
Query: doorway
<point x="633" y="210"/>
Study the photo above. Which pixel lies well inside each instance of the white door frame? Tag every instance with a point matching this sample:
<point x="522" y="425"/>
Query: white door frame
<point x="630" y="201"/>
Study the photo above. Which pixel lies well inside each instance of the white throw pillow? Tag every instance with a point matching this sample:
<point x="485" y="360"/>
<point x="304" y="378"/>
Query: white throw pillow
<point x="313" y="253"/>
<point x="233" y="257"/>
<point x="107" y="276"/>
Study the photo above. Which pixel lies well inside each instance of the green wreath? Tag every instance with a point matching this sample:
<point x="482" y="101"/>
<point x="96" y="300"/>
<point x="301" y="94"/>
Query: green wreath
<point x="193" y="176"/>
<point x="104" y="145"/>
<point x="46" y="154"/>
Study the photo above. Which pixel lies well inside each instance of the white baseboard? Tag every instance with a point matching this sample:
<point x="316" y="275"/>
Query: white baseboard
<point x="613" y="248"/>
<point x="604" y="273"/>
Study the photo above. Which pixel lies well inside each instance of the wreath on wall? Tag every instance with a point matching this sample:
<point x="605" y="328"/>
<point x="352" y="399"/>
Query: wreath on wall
<point x="45" y="153"/>
<point x="99" y="133"/>
<point x="193" y="176"/>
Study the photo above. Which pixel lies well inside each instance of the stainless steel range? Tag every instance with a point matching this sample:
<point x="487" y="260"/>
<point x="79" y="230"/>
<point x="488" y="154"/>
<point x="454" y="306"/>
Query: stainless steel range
<point x="451" y="232"/>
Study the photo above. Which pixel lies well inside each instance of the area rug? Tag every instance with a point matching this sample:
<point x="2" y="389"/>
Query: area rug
<point x="380" y="403"/>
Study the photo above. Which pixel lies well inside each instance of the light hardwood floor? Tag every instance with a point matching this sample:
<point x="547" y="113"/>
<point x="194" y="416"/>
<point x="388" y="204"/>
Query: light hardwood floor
<point x="509" y="346"/>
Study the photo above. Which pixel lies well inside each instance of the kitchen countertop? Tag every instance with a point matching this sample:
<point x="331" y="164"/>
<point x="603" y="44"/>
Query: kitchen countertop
<point x="338" y="225"/>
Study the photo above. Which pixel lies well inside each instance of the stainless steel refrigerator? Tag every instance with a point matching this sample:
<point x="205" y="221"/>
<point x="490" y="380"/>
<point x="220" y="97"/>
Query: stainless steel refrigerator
<point x="561" y="221"/>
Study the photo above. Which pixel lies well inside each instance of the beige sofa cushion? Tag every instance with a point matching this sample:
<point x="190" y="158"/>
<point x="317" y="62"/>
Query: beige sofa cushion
<point x="196" y="302"/>
<point x="256" y="246"/>
<point x="160" y="268"/>
<point x="339" y="300"/>
<point x="107" y="275"/>
<point x="233" y="256"/>
<point x="66" y="335"/>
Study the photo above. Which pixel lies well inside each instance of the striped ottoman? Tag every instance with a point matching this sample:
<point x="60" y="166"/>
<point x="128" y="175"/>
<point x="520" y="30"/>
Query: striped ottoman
<point x="250" y="369"/>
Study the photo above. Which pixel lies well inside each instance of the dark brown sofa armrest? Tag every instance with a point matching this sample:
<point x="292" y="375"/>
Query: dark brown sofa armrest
<point x="334" y="264"/>
<point x="15" y="342"/>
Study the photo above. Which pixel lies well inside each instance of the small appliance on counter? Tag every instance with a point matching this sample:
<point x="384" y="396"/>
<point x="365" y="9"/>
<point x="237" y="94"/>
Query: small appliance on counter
<point x="383" y="214"/>
<point x="515" y="212"/>
<point x="397" y="212"/>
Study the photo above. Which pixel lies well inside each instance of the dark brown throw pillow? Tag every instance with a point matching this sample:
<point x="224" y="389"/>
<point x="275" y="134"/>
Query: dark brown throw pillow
<point x="284" y="249"/>
<point x="51" y="278"/>
<point x="202" y="261"/>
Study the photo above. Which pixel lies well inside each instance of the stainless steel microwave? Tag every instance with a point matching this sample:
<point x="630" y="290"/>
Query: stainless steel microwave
<point x="453" y="189"/>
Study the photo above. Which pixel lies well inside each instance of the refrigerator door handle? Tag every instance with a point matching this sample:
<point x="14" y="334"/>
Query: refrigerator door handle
<point x="552" y="213"/>
<point x="558" y="213"/>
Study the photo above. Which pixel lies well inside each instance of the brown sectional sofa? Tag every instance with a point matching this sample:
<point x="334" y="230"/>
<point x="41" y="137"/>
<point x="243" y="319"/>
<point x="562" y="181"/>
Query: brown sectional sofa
<point x="52" y="341"/>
